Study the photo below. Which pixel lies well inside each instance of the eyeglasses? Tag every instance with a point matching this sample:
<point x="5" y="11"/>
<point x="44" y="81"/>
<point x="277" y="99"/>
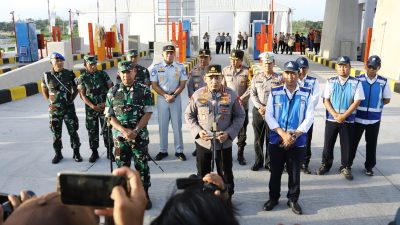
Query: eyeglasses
<point x="372" y="67"/>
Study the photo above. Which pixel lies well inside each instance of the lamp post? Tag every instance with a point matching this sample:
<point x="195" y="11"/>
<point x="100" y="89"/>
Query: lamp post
<point x="15" y="33"/>
<point x="70" y="29"/>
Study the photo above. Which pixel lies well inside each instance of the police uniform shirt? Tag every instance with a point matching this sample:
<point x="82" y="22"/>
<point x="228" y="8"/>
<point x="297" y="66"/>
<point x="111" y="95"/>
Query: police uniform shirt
<point x="238" y="80"/>
<point x="386" y="94"/>
<point x="315" y="90"/>
<point x="230" y="118"/>
<point x="273" y="122"/>
<point x="196" y="80"/>
<point x="228" y="39"/>
<point x="261" y="86"/>
<point x="169" y="76"/>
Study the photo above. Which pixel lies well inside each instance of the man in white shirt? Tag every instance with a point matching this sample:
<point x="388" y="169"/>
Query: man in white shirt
<point x="289" y="115"/>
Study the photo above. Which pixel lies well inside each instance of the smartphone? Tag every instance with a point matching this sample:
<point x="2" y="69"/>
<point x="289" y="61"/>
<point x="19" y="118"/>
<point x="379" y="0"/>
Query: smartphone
<point x="88" y="189"/>
<point x="191" y="181"/>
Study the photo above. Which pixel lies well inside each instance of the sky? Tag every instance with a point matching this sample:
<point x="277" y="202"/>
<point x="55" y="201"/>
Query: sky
<point x="37" y="9"/>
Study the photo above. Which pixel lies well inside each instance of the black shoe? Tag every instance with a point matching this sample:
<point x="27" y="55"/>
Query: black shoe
<point x="322" y="170"/>
<point x="256" y="166"/>
<point x="369" y="172"/>
<point x="57" y="158"/>
<point x="295" y="207"/>
<point x="149" y="204"/>
<point x="346" y="172"/>
<point x="241" y="160"/>
<point x="194" y="153"/>
<point x="305" y="169"/>
<point x="267" y="167"/>
<point x="161" y="155"/>
<point x="94" y="156"/>
<point x="180" y="156"/>
<point x="77" y="157"/>
<point x="269" y="205"/>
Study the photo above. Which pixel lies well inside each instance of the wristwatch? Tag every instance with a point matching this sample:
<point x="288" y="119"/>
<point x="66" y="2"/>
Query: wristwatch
<point x="137" y="130"/>
<point x="294" y="136"/>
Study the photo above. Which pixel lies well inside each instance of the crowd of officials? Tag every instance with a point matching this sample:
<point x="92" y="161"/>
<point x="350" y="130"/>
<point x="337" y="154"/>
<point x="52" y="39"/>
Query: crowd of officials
<point x="217" y="114"/>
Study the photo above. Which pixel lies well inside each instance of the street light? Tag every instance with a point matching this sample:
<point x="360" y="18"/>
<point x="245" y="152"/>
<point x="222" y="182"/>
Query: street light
<point x="15" y="33"/>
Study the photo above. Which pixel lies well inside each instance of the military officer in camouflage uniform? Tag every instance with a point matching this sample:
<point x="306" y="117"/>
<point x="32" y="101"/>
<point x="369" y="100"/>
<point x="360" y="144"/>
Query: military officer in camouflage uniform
<point x="130" y="107"/>
<point x="143" y="75"/>
<point x="59" y="89"/>
<point x="236" y="77"/>
<point x="260" y="88"/>
<point x="229" y="115"/>
<point x="93" y="86"/>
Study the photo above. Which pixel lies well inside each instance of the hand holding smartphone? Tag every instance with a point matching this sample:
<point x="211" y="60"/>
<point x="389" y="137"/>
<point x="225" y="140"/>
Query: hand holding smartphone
<point x="89" y="189"/>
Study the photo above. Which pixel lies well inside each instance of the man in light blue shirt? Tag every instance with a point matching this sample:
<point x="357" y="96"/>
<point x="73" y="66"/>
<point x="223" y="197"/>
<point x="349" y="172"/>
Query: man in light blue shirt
<point x="168" y="79"/>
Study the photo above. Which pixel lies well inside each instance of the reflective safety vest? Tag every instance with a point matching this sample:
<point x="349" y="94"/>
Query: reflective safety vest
<point x="289" y="113"/>
<point x="342" y="97"/>
<point x="371" y="107"/>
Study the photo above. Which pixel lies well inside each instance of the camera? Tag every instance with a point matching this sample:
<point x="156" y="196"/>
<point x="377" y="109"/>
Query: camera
<point x="194" y="181"/>
<point x="6" y="204"/>
<point x="88" y="189"/>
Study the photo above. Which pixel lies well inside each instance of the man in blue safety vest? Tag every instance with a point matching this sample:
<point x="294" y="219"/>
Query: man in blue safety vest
<point x="289" y="115"/>
<point x="342" y="95"/>
<point x="368" y="115"/>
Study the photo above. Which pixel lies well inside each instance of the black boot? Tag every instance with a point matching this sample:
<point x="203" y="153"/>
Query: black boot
<point x="112" y="156"/>
<point x="94" y="156"/>
<point x="77" y="156"/>
<point x="240" y="157"/>
<point x="57" y="158"/>
<point x="149" y="203"/>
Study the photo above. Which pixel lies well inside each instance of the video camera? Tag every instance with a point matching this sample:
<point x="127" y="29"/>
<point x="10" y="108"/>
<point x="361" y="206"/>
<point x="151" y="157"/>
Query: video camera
<point x="6" y="204"/>
<point x="194" y="181"/>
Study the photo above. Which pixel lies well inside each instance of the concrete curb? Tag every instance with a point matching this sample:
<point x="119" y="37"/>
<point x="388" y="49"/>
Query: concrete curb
<point x="9" y="60"/>
<point x="32" y="88"/>
<point x="2" y="71"/>
<point x="394" y="85"/>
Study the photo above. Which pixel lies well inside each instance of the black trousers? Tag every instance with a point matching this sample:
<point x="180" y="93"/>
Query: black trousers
<point x="218" y="47"/>
<point x="242" y="136"/>
<point x="222" y="47"/>
<point x="307" y="157"/>
<point x="280" y="46"/>
<point x="371" y="139"/>
<point x="223" y="160"/>
<point x="238" y="43"/>
<point x="245" y="44"/>
<point x="275" y="49"/>
<point x="316" y="47"/>
<point x="228" y="48"/>
<point x="302" y="49"/>
<point x="292" y="158"/>
<point x="206" y="45"/>
<point x="345" y="131"/>
<point x="261" y="135"/>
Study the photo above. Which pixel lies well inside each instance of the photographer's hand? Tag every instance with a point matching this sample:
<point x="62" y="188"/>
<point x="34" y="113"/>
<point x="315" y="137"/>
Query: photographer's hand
<point x="127" y="209"/>
<point x="16" y="202"/>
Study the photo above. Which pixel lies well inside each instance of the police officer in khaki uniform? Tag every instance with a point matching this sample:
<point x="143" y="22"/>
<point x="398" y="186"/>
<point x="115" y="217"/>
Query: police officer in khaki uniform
<point x="236" y="77"/>
<point x="196" y="79"/>
<point x="223" y="103"/>
<point x="260" y="88"/>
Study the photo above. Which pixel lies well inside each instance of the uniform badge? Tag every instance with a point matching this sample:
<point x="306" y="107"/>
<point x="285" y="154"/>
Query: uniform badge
<point x="161" y="79"/>
<point x="161" y="69"/>
<point x="203" y="100"/>
<point x="153" y="73"/>
<point x="176" y="73"/>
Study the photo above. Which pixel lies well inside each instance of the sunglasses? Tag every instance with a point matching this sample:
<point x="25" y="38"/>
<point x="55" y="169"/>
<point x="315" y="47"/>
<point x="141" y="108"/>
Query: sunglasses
<point x="372" y="67"/>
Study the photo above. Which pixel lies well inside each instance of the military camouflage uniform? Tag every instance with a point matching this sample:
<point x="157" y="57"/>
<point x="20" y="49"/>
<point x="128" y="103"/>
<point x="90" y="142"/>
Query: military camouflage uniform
<point x="95" y="87"/>
<point x="196" y="80"/>
<point x="128" y="106"/>
<point x="65" y="110"/>
<point x="142" y="75"/>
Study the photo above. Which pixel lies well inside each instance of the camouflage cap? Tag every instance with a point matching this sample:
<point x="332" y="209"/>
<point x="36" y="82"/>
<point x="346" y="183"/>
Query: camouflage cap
<point x="214" y="70"/>
<point x="91" y="59"/>
<point x="56" y="55"/>
<point x="132" y="53"/>
<point x="124" y="65"/>
<point x="237" y="54"/>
